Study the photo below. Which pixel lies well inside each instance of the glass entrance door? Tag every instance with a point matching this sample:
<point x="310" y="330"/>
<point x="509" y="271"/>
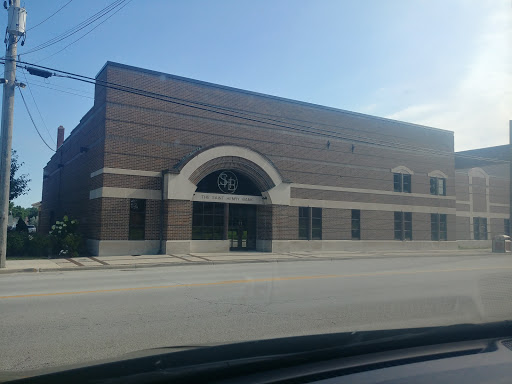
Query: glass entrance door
<point x="242" y="227"/>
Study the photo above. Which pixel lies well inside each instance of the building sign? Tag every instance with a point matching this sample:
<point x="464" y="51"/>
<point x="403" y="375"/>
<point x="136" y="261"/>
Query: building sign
<point x="227" y="182"/>
<point x="231" y="199"/>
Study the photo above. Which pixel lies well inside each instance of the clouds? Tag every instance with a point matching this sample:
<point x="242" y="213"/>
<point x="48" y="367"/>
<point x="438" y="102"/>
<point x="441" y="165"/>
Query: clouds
<point x="478" y="108"/>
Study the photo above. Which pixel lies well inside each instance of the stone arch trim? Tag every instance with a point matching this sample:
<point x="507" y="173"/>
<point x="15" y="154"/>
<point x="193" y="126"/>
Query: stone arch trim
<point x="263" y="181"/>
<point x="181" y="182"/>
<point x="402" y="169"/>
<point x="438" y="173"/>
<point x="478" y="172"/>
<point x="238" y="156"/>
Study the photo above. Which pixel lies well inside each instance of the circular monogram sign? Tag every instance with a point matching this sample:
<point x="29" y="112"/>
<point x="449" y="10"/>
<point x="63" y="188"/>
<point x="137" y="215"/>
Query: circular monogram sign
<point x="227" y="182"/>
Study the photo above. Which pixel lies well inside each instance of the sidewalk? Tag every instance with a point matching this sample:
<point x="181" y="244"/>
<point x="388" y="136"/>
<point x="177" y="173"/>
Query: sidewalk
<point x="144" y="261"/>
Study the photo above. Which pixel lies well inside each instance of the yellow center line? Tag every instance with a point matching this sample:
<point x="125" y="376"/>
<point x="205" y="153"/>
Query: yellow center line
<point x="260" y="280"/>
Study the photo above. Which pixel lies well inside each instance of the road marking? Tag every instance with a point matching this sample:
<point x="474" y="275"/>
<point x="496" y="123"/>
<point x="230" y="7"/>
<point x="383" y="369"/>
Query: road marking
<point x="261" y="280"/>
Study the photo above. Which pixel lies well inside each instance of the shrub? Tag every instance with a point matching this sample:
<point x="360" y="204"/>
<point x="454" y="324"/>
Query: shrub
<point x="16" y="243"/>
<point x="21" y="226"/>
<point x="37" y="245"/>
<point x="65" y="238"/>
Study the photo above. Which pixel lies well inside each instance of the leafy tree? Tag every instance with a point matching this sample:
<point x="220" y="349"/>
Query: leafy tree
<point x="21" y="226"/>
<point x="19" y="185"/>
<point x="18" y="211"/>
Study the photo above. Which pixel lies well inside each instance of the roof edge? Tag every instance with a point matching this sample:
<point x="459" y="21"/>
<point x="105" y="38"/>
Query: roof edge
<point x="278" y="98"/>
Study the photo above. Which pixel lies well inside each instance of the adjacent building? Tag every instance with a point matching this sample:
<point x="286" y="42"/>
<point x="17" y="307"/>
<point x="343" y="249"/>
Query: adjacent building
<point x="482" y="185"/>
<point x="166" y="164"/>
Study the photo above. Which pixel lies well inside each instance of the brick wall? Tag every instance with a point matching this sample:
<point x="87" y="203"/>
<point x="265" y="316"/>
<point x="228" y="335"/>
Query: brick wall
<point x="178" y="219"/>
<point x="336" y="224"/>
<point x="66" y="182"/>
<point x="128" y="131"/>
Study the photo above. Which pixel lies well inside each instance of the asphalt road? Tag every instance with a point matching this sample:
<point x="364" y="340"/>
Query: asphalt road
<point x="50" y="319"/>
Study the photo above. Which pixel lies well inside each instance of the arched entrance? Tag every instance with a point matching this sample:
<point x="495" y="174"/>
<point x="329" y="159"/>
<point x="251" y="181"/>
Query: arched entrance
<point x="225" y="208"/>
<point x="231" y="190"/>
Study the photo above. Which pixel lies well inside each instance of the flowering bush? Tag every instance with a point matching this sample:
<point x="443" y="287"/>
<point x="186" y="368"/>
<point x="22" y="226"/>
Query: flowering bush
<point x="67" y="242"/>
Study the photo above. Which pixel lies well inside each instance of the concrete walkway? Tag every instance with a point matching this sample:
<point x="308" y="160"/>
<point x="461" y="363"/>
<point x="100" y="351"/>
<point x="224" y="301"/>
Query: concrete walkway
<point x="142" y="261"/>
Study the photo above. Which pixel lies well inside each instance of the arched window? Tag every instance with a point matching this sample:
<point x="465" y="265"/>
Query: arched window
<point x="437" y="183"/>
<point x="402" y="179"/>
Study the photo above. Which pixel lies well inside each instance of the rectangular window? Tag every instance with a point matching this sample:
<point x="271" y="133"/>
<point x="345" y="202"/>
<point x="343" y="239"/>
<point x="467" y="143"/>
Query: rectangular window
<point x="476" y="228"/>
<point x="316" y="223"/>
<point x="207" y="221"/>
<point x="407" y="225"/>
<point x="403" y="225"/>
<point x="137" y="223"/>
<point x="437" y="186"/>
<point x="433" y="186"/>
<point x="441" y="187"/>
<point x="303" y="223"/>
<point x="434" y="227"/>
<point x="443" y="228"/>
<point x="397" y="182"/>
<point x="398" y="225"/>
<point x="407" y="183"/>
<point x="438" y="227"/>
<point x="507" y="227"/>
<point x="401" y="182"/>
<point x="480" y="228"/>
<point x="356" y="224"/>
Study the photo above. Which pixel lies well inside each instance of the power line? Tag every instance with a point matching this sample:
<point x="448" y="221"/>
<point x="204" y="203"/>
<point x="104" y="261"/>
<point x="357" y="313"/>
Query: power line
<point x="49" y="17"/>
<point x="61" y="90"/>
<point x="49" y="85"/>
<point x="85" y="34"/>
<point x="70" y="32"/>
<point x="271" y="122"/>
<point x="33" y="122"/>
<point x="37" y="107"/>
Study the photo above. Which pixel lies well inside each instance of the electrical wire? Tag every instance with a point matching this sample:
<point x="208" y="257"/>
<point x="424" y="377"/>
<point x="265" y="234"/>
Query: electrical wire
<point x="61" y="90"/>
<point x="85" y="34"/>
<point x="49" y="17"/>
<point x="92" y="19"/>
<point x="33" y="122"/>
<point x="272" y="122"/>
<point x="37" y="107"/>
<point x="51" y="84"/>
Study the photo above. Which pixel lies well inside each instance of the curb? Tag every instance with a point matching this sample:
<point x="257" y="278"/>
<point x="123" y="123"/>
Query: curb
<point x="222" y="262"/>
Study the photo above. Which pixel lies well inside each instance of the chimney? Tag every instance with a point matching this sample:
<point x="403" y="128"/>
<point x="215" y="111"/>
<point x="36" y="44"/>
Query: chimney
<point x="60" y="136"/>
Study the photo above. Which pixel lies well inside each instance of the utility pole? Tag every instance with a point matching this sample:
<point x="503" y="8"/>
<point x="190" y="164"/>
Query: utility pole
<point x="15" y="29"/>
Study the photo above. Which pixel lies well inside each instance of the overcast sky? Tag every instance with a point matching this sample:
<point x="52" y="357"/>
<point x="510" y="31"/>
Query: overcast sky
<point x="441" y="63"/>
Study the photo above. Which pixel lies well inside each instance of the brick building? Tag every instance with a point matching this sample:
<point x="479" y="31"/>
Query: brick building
<point x="483" y="194"/>
<point x="177" y="165"/>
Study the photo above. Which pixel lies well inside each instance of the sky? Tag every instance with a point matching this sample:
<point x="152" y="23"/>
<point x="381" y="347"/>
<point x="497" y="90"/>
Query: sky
<point x="440" y="63"/>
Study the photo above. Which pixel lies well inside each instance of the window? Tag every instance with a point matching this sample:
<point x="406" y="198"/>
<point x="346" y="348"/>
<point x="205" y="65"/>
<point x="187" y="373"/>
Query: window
<point x="507" y="227"/>
<point x="437" y="186"/>
<point x="438" y="227"/>
<point x="401" y="182"/>
<point x="303" y="223"/>
<point x="316" y="223"/>
<point x="403" y="226"/>
<point x="356" y="224"/>
<point x="137" y="224"/>
<point x="207" y="221"/>
<point x="397" y="182"/>
<point x="310" y="223"/>
<point x="480" y="228"/>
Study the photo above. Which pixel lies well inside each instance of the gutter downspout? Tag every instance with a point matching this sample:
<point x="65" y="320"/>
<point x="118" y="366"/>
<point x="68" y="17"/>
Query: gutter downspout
<point x="162" y="195"/>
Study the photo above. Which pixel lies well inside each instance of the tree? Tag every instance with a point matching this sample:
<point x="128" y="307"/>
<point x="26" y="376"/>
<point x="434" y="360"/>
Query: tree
<point x="19" y="185"/>
<point x="21" y="226"/>
<point x="19" y="211"/>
